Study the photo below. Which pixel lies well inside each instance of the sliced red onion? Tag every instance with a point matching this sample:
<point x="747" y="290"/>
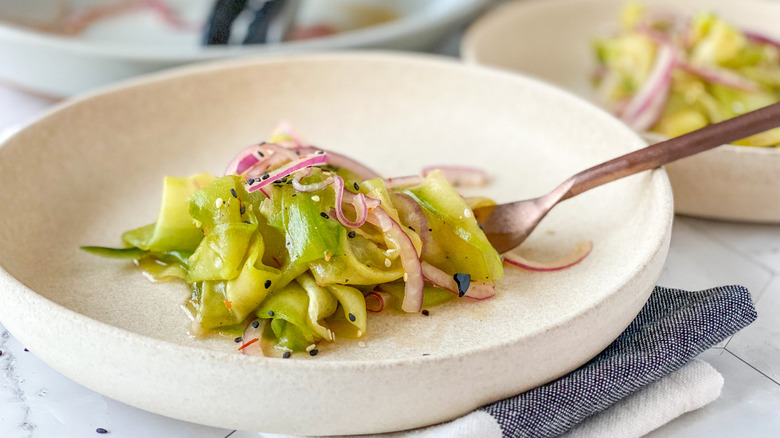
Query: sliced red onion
<point x="403" y="181"/>
<point x="338" y="160"/>
<point x="581" y="250"/>
<point x="249" y="346"/>
<point x="375" y="301"/>
<point x="460" y="176"/>
<point x="720" y="76"/>
<point x="313" y="187"/>
<point x="412" y="215"/>
<point x="244" y="160"/>
<point x="763" y="39"/>
<point x="287" y="128"/>
<point x="641" y="108"/>
<point x="413" y="291"/>
<point x="358" y="201"/>
<point x="168" y="15"/>
<point x="476" y="290"/>
<point x="316" y="159"/>
<point x="654" y="109"/>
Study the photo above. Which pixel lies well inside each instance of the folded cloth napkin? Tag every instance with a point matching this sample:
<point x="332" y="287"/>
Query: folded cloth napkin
<point x="672" y="328"/>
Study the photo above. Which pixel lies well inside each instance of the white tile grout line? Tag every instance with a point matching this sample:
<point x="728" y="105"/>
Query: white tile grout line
<point x="726" y="244"/>
<point x="754" y="368"/>
<point x="726" y="347"/>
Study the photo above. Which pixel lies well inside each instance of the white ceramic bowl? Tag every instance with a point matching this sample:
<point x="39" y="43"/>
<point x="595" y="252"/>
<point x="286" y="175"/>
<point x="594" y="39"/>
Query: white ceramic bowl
<point x="552" y="40"/>
<point x="92" y="168"/>
<point x="137" y="43"/>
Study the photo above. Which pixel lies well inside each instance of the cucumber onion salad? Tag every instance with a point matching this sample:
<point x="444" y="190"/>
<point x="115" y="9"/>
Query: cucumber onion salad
<point x="671" y="75"/>
<point x="295" y="244"/>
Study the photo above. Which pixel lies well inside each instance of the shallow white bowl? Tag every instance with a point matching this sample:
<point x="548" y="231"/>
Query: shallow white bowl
<point x="552" y="40"/>
<point x="140" y="42"/>
<point x="92" y="168"/>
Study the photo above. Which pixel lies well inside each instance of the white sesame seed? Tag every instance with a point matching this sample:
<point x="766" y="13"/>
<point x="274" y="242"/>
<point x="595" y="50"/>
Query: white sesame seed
<point x="362" y="344"/>
<point x="219" y="202"/>
<point x="406" y="276"/>
<point x="315" y="198"/>
<point x="467" y="212"/>
<point x="197" y="223"/>
<point x="311" y="347"/>
<point x="360" y="333"/>
<point x="388" y="262"/>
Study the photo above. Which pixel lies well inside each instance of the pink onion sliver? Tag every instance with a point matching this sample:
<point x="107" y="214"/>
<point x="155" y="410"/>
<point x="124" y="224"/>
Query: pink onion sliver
<point x="654" y="110"/>
<point x="758" y="38"/>
<point x="304" y="162"/>
<point x="403" y="181"/>
<point x="437" y="277"/>
<point x="412" y="215"/>
<point x="413" y="290"/>
<point x="720" y="76"/>
<point x="460" y="176"/>
<point x="375" y="301"/>
<point x="659" y="77"/>
<point x="362" y="171"/>
<point x="313" y="187"/>
<point x="358" y="201"/>
<point x="287" y="128"/>
<point x="578" y="254"/>
<point x="250" y="347"/>
<point x="243" y="161"/>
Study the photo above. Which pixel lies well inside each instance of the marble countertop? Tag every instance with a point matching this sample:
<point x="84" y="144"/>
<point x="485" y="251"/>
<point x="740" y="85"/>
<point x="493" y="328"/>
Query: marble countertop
<point x="37" y="401"/>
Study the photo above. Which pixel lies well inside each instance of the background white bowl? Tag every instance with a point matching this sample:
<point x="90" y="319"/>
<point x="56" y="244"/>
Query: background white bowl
<point x="93" y="167"/>
<point x="138" y="43"/>
<point x="552" y="40"/>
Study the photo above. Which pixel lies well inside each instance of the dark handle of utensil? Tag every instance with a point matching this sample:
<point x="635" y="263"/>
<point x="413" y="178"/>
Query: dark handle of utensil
<point x="676" y="148"/>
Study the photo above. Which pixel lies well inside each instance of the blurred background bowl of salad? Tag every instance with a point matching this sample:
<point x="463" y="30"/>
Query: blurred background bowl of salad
<point x="664" y="67"/>
<point x="63" y="47"/>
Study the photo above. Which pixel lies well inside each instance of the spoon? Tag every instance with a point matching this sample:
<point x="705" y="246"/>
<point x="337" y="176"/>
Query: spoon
<point x="508" y="225"/>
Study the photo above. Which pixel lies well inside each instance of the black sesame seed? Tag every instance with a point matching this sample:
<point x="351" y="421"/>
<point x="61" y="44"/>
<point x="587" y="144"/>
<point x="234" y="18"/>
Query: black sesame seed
<point x="26" y="349"/>
<point x="352" y="317"/>
<point x="286" y="355"/>
<point x="261" y="154"/>
<point x="426" y="312"/>
<point x="255" y="324"/>
<point x="100" y="430"/>
<point x="248" y="223"/>
<point x="430" y="229"/>
<point x="238" y="339"/>
<point x="351" y="234"/>
<point x="233" y="192"/>
<point x="266" y="176"/>
<point x="324" y="215"/>
<point x="313" y="352"/>
<point x="294" y="195"/>
<point x="270" y="313"/>
<point x="319" y="152"/>
<point x="1" y="352"/>
<point x="356" y="186"/>
<point x="426" y="354"/>
<point x="267" y="284"/>
<point x="242" y="209"/>
<point x="463" y="281"/>
<point x="410" y="227"/>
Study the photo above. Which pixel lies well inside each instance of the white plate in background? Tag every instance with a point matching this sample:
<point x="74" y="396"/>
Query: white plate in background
<point x="552" y="40"/>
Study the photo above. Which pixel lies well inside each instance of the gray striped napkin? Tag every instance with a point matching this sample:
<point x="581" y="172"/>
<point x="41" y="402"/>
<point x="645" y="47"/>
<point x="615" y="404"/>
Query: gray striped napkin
<point x="672" y="328"/>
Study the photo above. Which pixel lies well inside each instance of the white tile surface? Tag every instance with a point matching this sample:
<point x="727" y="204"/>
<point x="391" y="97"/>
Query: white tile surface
<point x="749" y="405"/>
<point x="759" y="343"/>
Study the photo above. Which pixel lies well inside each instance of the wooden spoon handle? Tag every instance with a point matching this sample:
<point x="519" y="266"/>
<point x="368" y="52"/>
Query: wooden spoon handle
<point x="676" y="148"/>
